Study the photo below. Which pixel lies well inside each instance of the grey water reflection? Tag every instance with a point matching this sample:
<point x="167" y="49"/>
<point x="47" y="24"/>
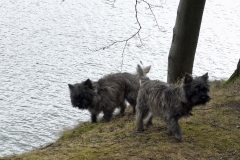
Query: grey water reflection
<point x="44" y="45"/>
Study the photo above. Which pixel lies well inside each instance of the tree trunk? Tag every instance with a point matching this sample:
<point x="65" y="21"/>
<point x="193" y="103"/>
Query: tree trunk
<point x="185" y="38"/>
<point x="235" y="75"/>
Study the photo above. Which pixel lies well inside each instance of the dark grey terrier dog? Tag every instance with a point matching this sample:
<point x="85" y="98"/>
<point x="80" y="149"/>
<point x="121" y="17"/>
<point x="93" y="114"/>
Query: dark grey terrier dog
<point x="170" y="102"/>
<point x="106" y="94"/>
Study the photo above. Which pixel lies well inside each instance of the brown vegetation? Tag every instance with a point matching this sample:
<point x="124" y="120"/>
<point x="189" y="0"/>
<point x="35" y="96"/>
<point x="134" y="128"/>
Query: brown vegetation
<point x="213" y="132"/>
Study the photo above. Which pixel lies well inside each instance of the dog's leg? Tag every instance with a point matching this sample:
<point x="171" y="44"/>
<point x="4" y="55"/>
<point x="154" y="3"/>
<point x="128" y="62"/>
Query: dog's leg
<point x="134" y="109"/>
<point x="141" y="114"/>
<point x="94" y="118"/>
<point x="122" y="108"/>
<point x="174" y="128"/>
<point x="132" y="101"/>
<point x="133" y="104"/>
<point x="107" y="115"/>
<point x="149" y="119"/>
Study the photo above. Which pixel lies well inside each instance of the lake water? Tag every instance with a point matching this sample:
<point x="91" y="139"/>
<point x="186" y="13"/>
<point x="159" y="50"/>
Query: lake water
<point x="46" y="44"/>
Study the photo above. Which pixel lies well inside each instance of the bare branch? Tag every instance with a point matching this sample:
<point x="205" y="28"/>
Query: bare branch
<point x="125" y="40"/>
<point x="140" y="39"/>
<point x="123" y="54"/>
<point x="137" y="33"/>
<point x="139" y="25"/>
<point x="150" y="7"/>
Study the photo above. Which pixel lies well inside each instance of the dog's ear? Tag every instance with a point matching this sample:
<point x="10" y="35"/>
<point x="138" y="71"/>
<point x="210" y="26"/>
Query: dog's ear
<point x="188" y="78"/>
<point x="140" y="71"/>
<point x="205" y="76"/>
<point x="70" y="86"/>
<point x="88" y="83"/>
<point x="146" y="69"/>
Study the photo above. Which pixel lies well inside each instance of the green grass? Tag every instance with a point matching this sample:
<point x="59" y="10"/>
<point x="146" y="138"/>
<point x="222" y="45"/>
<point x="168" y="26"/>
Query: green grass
<point x="213" y="132"/>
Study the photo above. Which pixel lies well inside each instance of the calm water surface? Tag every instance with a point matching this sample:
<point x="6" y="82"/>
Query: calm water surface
<point x="44" y="45"/>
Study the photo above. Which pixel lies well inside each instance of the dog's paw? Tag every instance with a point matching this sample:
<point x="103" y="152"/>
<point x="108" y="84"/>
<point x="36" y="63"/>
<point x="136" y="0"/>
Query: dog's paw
<point x="178" y="137"/>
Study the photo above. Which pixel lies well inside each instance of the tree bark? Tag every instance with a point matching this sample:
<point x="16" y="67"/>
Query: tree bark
<point x="235" y="75"/>
<point x="185" y="39"/>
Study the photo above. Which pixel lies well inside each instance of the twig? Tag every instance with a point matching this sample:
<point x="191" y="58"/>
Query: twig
<point x="123" y="54"/>
<point x="140" y="39"/>
<point x="150" y="7"/>
<point x="49" y="145"/>
<point x="125" y="40"/>
<point x="204" y="108"/>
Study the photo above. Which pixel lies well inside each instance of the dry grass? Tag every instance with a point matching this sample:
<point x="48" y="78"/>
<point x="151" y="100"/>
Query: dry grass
<point x="213" y="132"/>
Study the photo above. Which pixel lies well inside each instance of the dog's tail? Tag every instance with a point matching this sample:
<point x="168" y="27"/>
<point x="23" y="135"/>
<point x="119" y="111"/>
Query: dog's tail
<point x="142" y="74"/>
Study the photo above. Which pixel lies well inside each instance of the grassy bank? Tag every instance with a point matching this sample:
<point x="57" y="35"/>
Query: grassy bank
<point x="213" y="132"/>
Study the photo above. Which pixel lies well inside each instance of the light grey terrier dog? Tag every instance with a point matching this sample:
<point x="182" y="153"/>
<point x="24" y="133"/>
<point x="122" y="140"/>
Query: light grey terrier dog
<point x="169" y="101"/>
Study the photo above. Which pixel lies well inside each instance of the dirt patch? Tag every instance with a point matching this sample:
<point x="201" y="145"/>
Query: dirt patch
<point x="235" y="105"/>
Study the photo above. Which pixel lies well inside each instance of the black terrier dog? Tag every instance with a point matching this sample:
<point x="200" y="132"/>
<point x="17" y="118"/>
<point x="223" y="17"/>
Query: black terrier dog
<point x="170" y="102"/>
<point x="106" y="94"/>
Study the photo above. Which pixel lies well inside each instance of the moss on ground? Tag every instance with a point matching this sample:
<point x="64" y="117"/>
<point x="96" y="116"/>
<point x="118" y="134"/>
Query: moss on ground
<point x="213" y="132"/>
